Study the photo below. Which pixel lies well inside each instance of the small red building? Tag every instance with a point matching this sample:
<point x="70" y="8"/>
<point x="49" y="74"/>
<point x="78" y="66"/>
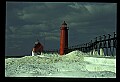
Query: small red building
<point x="37" y="49"/>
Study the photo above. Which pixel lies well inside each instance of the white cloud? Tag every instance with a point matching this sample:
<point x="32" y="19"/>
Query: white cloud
<point x="19" y="36"/>
<point x="52" y="38"/>
<point x="49" y="34"/>
<point x="12" y="28"/>
<point x="55" y="4"/>
<point x="89" y="8"/>
<point x="32" y="27"/>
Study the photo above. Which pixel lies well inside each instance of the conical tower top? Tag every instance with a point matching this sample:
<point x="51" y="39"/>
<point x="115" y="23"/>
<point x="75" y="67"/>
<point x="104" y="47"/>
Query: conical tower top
<point x="64" y="23"/>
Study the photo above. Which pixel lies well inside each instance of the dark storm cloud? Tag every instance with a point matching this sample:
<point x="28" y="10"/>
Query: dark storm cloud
<point x="25" y="22"/>
<point x="100" y="17"/>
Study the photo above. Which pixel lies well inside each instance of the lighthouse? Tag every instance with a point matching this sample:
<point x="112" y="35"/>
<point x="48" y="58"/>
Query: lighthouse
<point x="63" y="38"/>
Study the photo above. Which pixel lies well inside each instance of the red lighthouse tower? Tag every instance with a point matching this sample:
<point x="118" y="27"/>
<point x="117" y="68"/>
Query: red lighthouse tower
<point x="63" y="38"/>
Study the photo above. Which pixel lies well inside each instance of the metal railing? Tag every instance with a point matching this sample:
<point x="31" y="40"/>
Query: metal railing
<point x="106" y="43"/>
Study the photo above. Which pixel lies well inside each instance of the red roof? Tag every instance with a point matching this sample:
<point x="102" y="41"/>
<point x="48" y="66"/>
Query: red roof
<point x="38" y="47"/>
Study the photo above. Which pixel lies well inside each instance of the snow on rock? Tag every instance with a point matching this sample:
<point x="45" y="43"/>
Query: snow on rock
<point x="100" y="64"/>
<point x="73" y="56"/>
<point x="74" y="65"/>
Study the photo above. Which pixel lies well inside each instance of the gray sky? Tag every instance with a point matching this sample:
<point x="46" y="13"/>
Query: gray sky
<point x="27" y="21"/>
